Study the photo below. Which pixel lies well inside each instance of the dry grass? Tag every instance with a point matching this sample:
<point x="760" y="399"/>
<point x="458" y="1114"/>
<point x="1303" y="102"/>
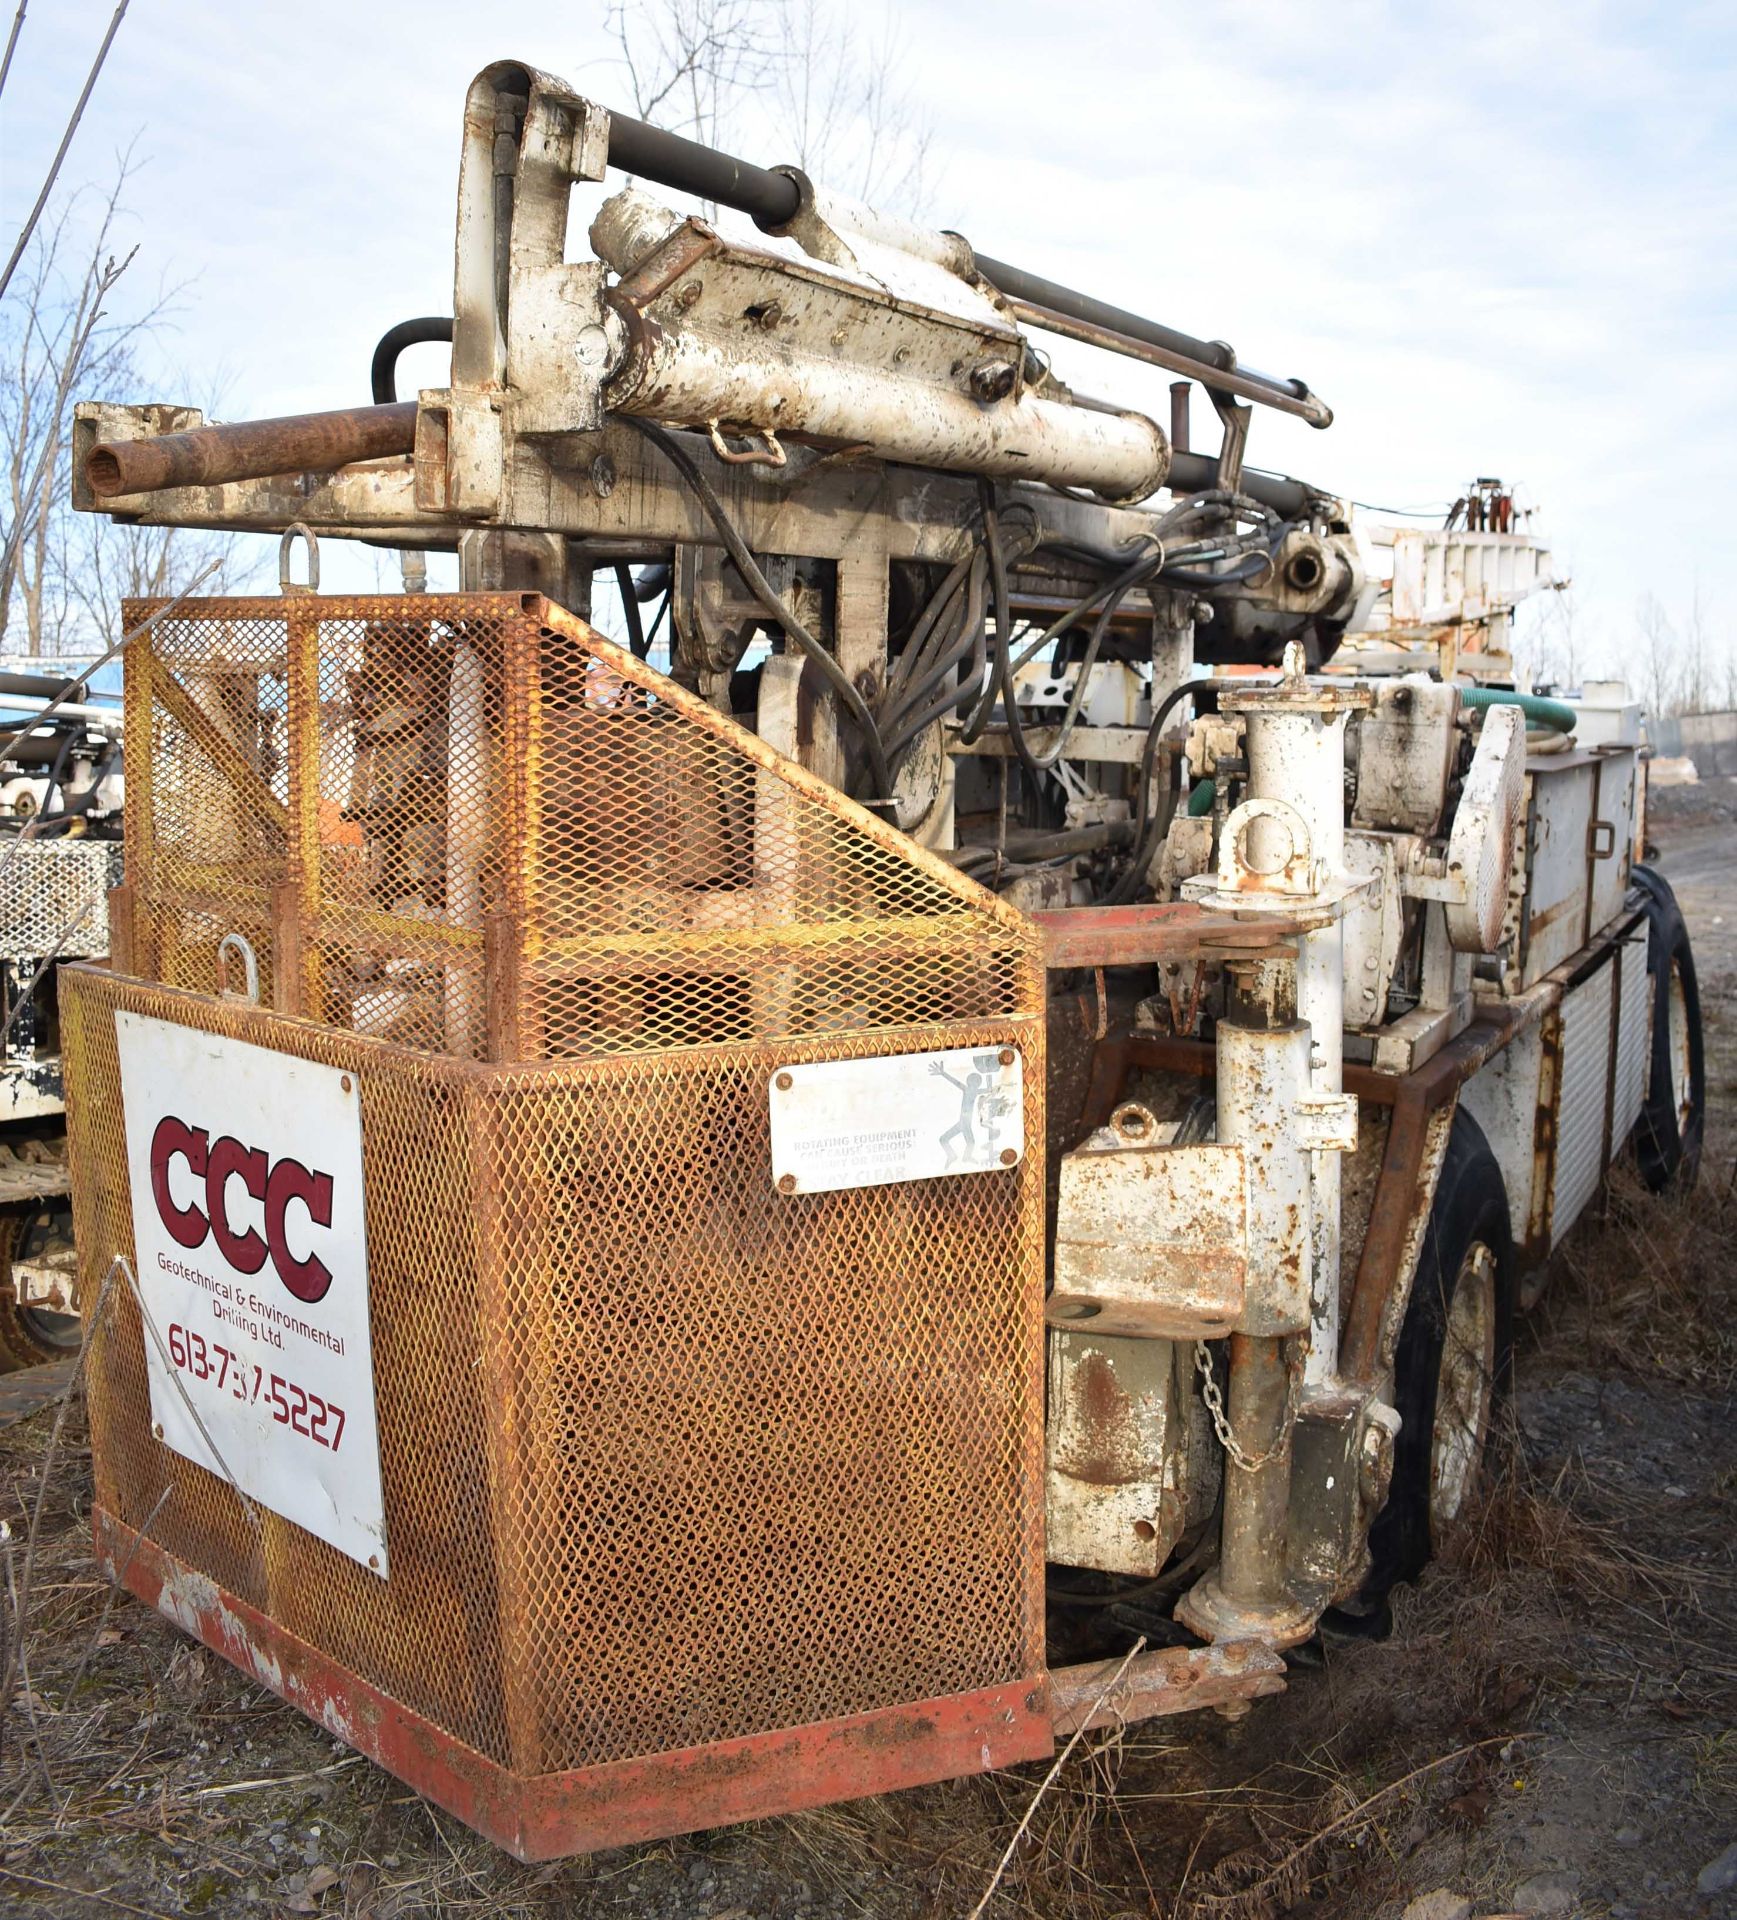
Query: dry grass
<point x="1649" y="1282"/>
<point x="139" y="1775"/>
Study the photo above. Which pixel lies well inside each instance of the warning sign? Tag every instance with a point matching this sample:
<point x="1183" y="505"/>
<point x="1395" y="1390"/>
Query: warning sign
<point x="907" y="1116"/>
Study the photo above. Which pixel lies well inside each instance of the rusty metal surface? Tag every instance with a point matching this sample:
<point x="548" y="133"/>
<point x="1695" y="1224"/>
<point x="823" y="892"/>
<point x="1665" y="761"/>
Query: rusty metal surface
<point x="1116" y="1443"/>
<point x="1416" y="1138"/>
<point x="1151" y="1239"/>
<point x="373" y="785"/>
<point x="1166" y="1680"/>
<point x="669" y="1458"/>
<point x="250" y="450"/>
<point x="556" y="1813"/>
<point x="1400" y="1207"/>
<point x="1136" y="935"/>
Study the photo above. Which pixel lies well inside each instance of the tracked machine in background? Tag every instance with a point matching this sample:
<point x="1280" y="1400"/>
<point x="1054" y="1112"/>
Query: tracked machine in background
<point x="937" y="1147"/>
<point x="60" y="854"/>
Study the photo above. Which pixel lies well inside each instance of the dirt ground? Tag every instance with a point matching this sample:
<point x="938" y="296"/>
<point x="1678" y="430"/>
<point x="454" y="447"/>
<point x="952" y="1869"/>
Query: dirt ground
<point x="1551" y="1727"/>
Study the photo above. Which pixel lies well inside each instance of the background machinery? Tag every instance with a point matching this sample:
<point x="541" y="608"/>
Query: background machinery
<point x="940" y="1144"/>
<point x="61" y="789"/>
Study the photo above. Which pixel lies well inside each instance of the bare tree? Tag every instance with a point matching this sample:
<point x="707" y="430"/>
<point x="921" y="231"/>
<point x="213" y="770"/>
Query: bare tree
<point x="69" y="332"/>
<point x="691" y="63"/>
<point x="834" y="91"/>
<point x="846" y="107"/>
<point x="1658" y="642"/>
<point x="1696" y="694"/>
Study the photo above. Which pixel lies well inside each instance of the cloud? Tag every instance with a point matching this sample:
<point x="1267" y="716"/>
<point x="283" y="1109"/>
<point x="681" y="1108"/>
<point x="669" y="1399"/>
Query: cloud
<point x="1496" y="238"/>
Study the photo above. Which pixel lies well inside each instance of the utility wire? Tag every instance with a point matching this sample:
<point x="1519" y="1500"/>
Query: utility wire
<point x="11" y="42"/>
<point x="65" y="138"/>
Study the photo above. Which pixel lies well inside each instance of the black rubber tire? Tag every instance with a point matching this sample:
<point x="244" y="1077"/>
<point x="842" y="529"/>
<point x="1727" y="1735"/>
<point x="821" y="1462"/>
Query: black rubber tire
<point x="21" y="1344"/>
<point x="1471" y="1205"/>
<point x="1667" y="1148"/>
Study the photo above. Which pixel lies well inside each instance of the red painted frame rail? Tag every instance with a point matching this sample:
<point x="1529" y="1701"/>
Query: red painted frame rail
<point x="547" y="1816"/>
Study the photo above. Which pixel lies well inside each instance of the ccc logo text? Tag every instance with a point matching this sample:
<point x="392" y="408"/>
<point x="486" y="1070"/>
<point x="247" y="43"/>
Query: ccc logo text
<point x="277" y="1187"/>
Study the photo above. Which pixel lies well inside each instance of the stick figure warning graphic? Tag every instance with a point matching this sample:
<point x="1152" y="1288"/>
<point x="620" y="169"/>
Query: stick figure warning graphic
<point x="912" y="1116"/>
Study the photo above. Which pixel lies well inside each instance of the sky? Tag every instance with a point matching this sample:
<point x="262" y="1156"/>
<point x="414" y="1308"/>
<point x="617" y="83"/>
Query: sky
<point x="1498" y="237"/>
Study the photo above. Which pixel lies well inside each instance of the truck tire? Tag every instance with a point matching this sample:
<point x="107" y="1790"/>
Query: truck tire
<point x="1456" y="1349"/>
<point x="29" y="1335"/>
<point x="1667" y="1137"/>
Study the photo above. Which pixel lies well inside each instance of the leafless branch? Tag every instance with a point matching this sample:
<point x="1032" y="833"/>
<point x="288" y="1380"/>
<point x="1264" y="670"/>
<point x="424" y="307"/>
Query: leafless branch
<point x="72" y="328"/>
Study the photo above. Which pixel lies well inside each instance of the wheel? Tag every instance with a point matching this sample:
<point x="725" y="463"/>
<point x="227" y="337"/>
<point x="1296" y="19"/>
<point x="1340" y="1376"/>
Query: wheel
<point x="1451" y="1372"/>
<point x="1667" y="1138"/>
<point x="30" y="1335"/>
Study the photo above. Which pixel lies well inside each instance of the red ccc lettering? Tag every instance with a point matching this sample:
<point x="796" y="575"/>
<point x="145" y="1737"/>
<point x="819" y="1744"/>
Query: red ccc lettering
<point x="277" y="1188"/>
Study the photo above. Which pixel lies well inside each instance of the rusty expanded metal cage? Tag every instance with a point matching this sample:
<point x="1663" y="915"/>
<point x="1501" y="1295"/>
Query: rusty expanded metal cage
<point x="703" y="1500"/>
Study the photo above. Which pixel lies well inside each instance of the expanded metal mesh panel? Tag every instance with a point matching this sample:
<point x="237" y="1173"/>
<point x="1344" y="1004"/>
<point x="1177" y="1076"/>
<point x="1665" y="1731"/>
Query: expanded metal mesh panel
<point x="486" y="831"/>
<point x="668" y="1457"/>
<point x="54" y="896"/>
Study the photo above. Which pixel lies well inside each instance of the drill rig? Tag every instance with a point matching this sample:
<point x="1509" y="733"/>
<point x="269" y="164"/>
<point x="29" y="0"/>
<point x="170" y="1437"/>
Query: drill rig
<point x="711" y="1224"/>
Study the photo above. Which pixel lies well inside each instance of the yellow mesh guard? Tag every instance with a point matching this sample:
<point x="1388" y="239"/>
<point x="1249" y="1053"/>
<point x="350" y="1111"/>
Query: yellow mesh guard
<point x="668" y="1457"/>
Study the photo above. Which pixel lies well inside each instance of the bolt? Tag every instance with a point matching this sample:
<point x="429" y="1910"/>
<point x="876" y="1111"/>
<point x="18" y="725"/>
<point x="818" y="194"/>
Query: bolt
<point x="689" y="296"/>
<point x="1008" y="1157"/>
<point x="993" y="379"/>
<point x="899" y="358"/>
<point x="157" y="1429"/>
<point x="603" y="476"/>
<point x="1006" y="1056"/>
<point x="344" y="1082"/>
<point x="784" y="1083"/>
<point x="374" y="1562"/>
<point x="768" y="316"/>
<point x="839" y="336"/>
<point x="787" y="1183"/>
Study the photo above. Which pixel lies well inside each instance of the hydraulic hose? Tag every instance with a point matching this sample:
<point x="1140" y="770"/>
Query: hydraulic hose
<point x="408" y="333"/>
<point x="763" y="591"/>
<point x="1554" y="714"/>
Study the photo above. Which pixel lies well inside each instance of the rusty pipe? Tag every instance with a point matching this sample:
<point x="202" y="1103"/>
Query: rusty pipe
<point x="1257" y="1500"/>
<point x="250" y="450"/>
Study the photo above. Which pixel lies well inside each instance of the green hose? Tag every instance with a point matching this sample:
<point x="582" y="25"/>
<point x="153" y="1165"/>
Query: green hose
<point x="1539" y="712"/>
<point x="1200" y="799"/>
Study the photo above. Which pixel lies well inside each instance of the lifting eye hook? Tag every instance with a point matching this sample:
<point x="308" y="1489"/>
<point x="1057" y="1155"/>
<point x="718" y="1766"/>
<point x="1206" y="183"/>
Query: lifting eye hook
<point x="293" y="532"/>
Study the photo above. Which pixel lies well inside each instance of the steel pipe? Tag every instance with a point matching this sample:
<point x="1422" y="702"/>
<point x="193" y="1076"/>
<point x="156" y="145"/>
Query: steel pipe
<point x="250" y="450"/>
<point x="770" y="199"/>
<point x="1152" y="345"/>
<point x="1257" y="1499"/>
<point x="695" y="378"/>
<point x="1198" y="473"/>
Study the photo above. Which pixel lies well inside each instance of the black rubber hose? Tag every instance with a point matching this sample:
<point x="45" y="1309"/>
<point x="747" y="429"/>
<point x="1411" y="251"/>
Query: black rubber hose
<point x="39" y="686"/>
<point x="1240" y="575"/>
<point x="1143" y="569"/>
<point x="408" y="333"/>
<point x="761" y="588"/>
<point x="968" y="644"/>
<point x="1128" y="885"/>
<point x="630" y="608"/>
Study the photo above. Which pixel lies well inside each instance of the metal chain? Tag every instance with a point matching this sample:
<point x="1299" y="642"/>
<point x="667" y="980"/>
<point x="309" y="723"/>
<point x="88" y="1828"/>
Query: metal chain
<point x="1248" y="1462"/>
